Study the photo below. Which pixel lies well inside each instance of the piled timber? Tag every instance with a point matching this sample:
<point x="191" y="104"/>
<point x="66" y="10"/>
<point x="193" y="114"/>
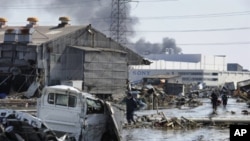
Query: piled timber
<point x="159" y="120"/>
<point x="17" y="103"/>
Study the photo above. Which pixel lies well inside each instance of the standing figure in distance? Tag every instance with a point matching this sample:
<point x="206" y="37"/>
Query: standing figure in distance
<point x="131" y="105"/>
<point x="214" y="99"/>
<point x="224" y="99"/>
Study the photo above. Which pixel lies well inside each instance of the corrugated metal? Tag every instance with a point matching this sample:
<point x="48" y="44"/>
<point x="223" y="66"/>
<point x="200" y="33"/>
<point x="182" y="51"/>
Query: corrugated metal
<point x="72" y="53"/>
<point x="105" y="70"/>
<point x="98" y="49"/>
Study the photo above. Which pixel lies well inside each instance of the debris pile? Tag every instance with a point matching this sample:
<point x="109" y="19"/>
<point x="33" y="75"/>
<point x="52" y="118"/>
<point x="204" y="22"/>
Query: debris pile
<point x="19" y="126"/>
<point x="17" y="103"/>
<point x="156" y="98"/>
<point x="188" y="102"/>
<point x="161" y="121"/>
<point x="17" y="100"/>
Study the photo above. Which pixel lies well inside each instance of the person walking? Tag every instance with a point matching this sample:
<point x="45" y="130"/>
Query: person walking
<point x="224" y="100"/>
<point x="131" y="105"/>
<point x="214" y="99"/>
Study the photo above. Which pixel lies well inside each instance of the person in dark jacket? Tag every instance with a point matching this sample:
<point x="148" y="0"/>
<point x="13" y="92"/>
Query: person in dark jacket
<point x="224" y="100"/>
<point x="214" y="99"/>
<point x="131" y="105"/>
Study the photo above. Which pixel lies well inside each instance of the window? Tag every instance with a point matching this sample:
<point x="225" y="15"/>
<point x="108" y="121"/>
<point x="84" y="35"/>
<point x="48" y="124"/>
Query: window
<point x="72" y="101"/>
<point x="53" y="58"/>
<point x="62" y="99"/>
<point x="94" y="106"/>
<point x="51" y="98"/>
<point x="196" y="73"/>
<point x="215" y="74"/>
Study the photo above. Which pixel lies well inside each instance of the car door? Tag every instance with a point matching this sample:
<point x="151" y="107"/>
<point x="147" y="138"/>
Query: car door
<point x="61" y="111"/>
<point x="95" y="120"/>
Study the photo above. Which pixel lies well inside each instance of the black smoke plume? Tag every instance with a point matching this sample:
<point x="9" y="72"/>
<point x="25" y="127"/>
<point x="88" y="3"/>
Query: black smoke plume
<point x="168" y="45"/>
<point x="94" y="12"/>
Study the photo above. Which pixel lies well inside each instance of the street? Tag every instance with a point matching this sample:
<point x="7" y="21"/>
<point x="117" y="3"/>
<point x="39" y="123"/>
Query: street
<point x="206" y="133"/>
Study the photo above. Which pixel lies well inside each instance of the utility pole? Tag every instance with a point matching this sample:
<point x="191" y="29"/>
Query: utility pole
<point x="118" y="21"/>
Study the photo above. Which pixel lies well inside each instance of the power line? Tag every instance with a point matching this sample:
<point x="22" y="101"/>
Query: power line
<point x="78" y="4"/>
<point x="184" y="16"/>
<point x="212" y="44"/>
<point x="199" y="16"/>
<point x="195" y="30"/>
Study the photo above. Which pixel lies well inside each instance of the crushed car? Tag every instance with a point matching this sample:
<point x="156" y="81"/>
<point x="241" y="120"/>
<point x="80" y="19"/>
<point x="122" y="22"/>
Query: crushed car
<point x="80" y="115"/>
<point x="63" y="113"/>
<point x="21" y="126"/>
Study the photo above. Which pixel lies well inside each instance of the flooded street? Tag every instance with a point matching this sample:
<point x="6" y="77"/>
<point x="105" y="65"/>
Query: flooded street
<point x="205" y="133"/>
<point x="201" y="134"/>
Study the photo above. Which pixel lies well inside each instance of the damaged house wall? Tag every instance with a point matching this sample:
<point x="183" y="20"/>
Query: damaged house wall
<point x="102" y="69"/>
<point x="17" y="60"/>
<point x="52" y="54"/>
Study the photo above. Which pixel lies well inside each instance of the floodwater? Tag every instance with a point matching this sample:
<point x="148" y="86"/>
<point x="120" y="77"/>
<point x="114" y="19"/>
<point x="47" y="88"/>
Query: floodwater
<point x="207" y="133"/>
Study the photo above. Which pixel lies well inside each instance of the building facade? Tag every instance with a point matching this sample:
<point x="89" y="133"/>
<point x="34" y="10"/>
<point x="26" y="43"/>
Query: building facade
<point x="48" y="55"/>
<point x="234" y="67"/>
<point x="192" y="68"/>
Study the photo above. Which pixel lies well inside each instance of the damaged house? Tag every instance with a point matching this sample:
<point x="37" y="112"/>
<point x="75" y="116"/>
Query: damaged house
<point x="39" y="56"/>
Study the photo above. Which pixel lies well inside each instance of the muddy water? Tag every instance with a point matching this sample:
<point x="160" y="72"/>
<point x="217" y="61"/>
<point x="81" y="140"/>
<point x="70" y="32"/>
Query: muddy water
<point x="202" y="134"/>
<point x="208" y="133"/>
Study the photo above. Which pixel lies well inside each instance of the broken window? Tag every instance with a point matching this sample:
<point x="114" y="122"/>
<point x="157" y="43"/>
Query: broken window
<point x="94" y="106"/>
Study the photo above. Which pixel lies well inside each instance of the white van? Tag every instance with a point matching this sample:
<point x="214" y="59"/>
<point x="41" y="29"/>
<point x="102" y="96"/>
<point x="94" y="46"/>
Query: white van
<point x="65" y="109"/>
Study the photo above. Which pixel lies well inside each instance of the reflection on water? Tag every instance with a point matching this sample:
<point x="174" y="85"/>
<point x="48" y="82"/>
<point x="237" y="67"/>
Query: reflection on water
<point x="201" y="134"/>
<point x="208" y="133"/>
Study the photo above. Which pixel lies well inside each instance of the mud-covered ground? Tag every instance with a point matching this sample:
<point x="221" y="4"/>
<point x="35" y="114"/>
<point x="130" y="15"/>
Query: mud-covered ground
<point x="205" y="133"/>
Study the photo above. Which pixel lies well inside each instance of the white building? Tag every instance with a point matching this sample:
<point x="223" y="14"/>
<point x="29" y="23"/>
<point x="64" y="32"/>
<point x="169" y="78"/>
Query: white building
<point x="193" y="68"/>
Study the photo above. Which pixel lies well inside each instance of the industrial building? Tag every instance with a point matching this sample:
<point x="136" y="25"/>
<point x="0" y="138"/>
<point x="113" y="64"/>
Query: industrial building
<point x="192" y="68"/>
<point x="34" y="56"/>
<point x="234" y="67"/>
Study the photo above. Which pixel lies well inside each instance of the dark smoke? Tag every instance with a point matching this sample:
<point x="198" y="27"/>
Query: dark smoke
<point x="143" y="47"/>
<point x="94" y="12"/>
<point x="84" y="12"/>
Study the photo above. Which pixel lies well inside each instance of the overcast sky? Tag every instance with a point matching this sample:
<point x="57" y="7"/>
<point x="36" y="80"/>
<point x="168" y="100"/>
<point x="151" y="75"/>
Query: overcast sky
<point x="209" y="27"/>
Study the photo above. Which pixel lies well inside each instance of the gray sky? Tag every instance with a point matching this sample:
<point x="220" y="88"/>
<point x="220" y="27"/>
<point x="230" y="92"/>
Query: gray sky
<point x="193" y="24"/>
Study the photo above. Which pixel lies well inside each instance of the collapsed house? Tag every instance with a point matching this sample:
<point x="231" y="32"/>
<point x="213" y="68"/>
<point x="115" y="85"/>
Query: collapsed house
<point x="34" y="56"/>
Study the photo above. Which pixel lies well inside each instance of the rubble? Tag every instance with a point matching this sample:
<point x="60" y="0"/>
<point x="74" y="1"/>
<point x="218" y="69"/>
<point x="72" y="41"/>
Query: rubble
<point x="159" y="100"/>
<point x="20" y="126"/>
<point x="161" y="121"/>
<point x="17" y="103"/>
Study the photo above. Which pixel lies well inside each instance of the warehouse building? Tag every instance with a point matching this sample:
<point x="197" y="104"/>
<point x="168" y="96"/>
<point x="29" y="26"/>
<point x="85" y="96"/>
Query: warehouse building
<point x="34" y="56"/>
<point x="192" y="68"/>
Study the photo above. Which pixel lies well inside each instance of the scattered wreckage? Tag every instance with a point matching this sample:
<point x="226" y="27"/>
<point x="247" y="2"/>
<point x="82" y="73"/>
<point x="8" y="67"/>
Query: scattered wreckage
<point x="160" y="120"/>
<point x="21" y="126"/>
<point x="64" y="113"/>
